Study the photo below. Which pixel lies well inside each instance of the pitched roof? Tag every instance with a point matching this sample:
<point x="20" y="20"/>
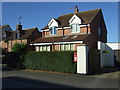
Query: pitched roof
<point x="2" y="27"/>
<point x="67" y="38"/>
<point x="25" y="34"/>
<point x="86" y="16"/>
<point x="13" y="33"/>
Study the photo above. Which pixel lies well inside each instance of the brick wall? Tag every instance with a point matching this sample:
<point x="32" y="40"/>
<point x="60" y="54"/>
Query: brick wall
<point x="83" y="30"/>
<point x="94" y="60"/>
<point x="60" y="32"/>
<point x="93" y="38"/>
<point x="12" y="42"/>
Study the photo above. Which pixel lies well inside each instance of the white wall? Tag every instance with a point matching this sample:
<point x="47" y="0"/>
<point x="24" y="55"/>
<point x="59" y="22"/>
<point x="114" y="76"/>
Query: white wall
<point x="82" y="59"/>
<point x="105" y="59"/>
<point x="114" y="46"/>
<point x="53" y="23"/>
<point x="75" y="20"/>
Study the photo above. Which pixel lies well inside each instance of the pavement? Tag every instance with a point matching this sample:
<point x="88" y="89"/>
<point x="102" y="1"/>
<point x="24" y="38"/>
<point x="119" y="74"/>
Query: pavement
<point x="40" y="79"/>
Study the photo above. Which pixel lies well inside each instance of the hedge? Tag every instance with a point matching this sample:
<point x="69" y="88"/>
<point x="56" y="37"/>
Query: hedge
<point x="48" y="61"/>
<point x="15" y="60"/>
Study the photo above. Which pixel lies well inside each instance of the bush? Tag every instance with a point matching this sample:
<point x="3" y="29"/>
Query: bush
<point x="14" y="60"/>
<point x="47" y="61"/>
<point x="19" y="47"/>
<point x="50" y="61"/>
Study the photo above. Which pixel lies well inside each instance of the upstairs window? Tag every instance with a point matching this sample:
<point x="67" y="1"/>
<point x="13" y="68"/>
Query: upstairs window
<point x="99" y="31"/>
<point x="17" y="35"/>
<point x="75" y="28"/>
<point x="52" y="30"/>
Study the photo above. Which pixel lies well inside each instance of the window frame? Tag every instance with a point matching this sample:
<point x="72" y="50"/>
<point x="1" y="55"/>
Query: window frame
<point x="53" y="30"/>
<point x="76" y="30"/>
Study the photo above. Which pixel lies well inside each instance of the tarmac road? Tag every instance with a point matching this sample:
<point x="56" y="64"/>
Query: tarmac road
<point x="30" y="79"/>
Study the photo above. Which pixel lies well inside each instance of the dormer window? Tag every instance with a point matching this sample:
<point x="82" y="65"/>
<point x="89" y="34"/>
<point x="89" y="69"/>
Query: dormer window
<point x="17" y="35"/>
<point x="75" y="28"/>
<point x="52" y="30"/>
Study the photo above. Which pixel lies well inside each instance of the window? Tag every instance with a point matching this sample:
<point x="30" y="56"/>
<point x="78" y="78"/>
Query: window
<point x="75" y="28"/>
<point x="52" y="30"/>
<point x="4" y="37"/>
<point x="62" y="47"/>
<point x="40" y="48"/>
<point x="72" y="47"/>
<point x="74" y="37"/>
<point x="48" y="48"/>
<point x="66" y="47"/>
<point x="99" y="32"/>
<point x="44" y="48"/>
<point x="17" y="35"/>
<point x="37" y="48"/>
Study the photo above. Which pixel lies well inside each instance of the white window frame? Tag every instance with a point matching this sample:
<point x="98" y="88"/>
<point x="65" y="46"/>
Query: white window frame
<point x="73" y="47"/>
<point x="37" y="48"/>
<point x="75" y="31"/>
<point x="53" y="30"/>
<point x="69" y="47"/>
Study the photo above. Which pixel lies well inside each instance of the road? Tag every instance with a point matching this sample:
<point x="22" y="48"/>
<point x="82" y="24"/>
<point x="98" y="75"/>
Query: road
<point x="32" y="79"/>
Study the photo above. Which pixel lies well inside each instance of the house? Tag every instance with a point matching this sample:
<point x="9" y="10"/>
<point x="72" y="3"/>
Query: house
<point x="70" y="30"/>
<point x="4" y="28"/>
<point x="20" y="36"/>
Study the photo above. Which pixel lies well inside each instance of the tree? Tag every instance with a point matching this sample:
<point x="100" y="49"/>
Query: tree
<point x="19" y="47"/>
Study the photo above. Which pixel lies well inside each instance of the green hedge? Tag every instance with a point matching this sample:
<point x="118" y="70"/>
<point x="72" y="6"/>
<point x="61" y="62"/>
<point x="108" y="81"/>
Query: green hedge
<point x="50" y="61"/>
<point x="47" y="61"/>
<point x="15" y="60"/>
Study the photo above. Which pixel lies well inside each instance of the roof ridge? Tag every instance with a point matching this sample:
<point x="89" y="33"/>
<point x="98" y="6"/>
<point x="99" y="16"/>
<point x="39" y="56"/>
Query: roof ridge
<point x="30" y="28"/>
<point x="91" y="10"/>
<point x="80" y="12"/>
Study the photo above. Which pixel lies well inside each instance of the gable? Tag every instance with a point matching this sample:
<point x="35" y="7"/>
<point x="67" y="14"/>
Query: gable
<point x="85" y="16"/>
<point x="75" y="20"/>
<point x="53" y="23"/>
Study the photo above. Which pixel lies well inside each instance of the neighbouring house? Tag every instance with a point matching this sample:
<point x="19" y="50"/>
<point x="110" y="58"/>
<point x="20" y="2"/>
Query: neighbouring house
<point x="70" y="30"/>
<point x="4" y="28"/>
<point x="20" y="36"/>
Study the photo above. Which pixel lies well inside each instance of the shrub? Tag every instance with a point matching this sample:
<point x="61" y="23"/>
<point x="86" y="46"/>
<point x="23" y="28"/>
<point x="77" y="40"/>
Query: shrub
<point x="50" y="61"/>
<point x="14" y="60"/>
<point x="19" y="47"/>
<point x="47" y="61"/>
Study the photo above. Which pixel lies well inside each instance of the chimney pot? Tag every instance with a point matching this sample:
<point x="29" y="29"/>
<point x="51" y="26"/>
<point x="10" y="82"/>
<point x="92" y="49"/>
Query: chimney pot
<point x="76" y="9"/>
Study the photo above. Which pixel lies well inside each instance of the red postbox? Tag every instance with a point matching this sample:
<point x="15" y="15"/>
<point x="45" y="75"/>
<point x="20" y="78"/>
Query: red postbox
<point x="75" y="56"/>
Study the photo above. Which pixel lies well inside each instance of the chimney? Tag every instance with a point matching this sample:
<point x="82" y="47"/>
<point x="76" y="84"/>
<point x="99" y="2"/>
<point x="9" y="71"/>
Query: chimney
<point x="19" y="27"/>
<point x="76" y="9"/>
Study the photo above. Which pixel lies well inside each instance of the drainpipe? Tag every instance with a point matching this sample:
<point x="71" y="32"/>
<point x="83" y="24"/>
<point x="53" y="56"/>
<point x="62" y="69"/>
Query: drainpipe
<point x="63" y="31"/>
<point x="43" y="33"/>
<point x="87" y="28"/>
